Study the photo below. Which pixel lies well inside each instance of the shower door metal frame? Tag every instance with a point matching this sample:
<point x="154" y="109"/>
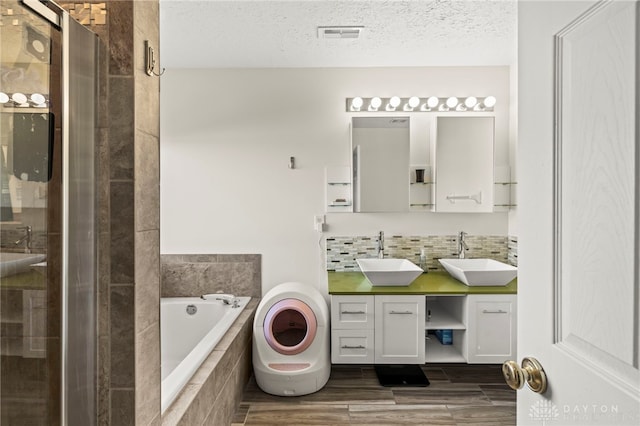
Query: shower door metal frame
<point x="78" y="203"/>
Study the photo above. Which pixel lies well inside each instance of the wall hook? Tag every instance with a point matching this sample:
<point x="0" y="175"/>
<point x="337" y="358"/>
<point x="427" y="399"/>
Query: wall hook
<point x="150" y="60"/>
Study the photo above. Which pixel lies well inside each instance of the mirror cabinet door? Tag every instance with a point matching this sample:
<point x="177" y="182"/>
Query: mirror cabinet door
<point x="380" y="164"/>
<point x="464" y="163"/>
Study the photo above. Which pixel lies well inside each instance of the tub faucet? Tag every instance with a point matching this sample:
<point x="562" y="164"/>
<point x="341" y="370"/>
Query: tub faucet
<point x="381" y="245"/>
<point x="227" y="299"/>
<point x="26" y="238"/>
<point x="462" y="245"/>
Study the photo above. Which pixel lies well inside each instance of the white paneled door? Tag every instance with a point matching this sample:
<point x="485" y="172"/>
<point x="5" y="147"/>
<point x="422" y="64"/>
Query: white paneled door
<point x="578" y="295"/>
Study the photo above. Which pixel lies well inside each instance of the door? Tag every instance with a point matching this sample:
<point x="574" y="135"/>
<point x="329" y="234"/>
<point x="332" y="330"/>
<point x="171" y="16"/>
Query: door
<point x="578" y="220"/>
<point x="399" y="329"/>
<point x="491" y="331"/>
<point x="30" y="182"/>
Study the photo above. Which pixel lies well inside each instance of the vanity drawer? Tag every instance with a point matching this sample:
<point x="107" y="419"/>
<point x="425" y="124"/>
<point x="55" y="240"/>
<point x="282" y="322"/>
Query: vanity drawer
<point x="352" y="312"/>
<point x="352" y="346"/>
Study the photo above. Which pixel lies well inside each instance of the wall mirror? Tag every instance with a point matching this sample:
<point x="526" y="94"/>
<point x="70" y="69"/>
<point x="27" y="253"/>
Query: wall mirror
<point x="380" y="147"/>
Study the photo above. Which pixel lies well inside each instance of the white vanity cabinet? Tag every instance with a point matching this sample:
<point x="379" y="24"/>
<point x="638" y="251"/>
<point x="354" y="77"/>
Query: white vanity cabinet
<point x="436" y="319"/>
<point x="491" y="330"/>
<point x="399" y="329"/>
<point x="381" y="329"/>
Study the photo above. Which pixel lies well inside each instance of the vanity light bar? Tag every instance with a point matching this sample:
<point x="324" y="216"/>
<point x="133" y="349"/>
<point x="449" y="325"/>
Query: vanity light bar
<point x="417" y="104"/>
<point x="22" y="100"/>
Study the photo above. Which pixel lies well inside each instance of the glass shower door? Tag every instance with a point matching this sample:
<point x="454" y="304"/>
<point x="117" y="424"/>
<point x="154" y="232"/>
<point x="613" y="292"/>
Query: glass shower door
<point x="30" y="226"/>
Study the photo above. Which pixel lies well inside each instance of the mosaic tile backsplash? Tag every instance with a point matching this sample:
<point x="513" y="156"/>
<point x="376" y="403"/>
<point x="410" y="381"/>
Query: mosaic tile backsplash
<point x="342" y="252"/>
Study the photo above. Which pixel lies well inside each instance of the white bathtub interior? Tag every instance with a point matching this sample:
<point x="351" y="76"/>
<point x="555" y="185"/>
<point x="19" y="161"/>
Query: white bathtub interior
<point x="187" y="337"/>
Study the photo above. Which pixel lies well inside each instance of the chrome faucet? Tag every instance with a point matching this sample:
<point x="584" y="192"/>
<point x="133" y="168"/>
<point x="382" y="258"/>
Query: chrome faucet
<point x="26" y="238"/>
<point x="462" y="245"/>
<point x="381" y="245"/>
<point x="227" y="299"/>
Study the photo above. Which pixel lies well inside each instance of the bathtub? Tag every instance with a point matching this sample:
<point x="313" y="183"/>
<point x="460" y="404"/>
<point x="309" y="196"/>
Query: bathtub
<point x="189" y="330"/>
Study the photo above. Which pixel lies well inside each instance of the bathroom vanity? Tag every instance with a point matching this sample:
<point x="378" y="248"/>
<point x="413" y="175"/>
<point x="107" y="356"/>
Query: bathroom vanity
<point x="396" y="325"/>
<point x="23" y="308"/>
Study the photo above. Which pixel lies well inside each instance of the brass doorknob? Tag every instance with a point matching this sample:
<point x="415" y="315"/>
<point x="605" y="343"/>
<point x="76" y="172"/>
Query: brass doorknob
<point x="531" y="372"/>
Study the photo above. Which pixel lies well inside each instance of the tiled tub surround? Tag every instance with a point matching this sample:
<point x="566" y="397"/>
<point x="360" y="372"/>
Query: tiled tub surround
<point x="215" y="390"/>
<point x="185" y="275"/>
<point x="342" y="252"/>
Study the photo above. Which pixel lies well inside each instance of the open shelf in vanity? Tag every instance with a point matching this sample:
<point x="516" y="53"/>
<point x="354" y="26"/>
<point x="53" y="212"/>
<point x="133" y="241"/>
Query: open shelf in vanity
<point x="447" y="312"/>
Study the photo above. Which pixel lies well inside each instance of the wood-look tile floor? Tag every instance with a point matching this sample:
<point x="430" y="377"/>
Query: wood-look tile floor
<point x="459" y="394"/>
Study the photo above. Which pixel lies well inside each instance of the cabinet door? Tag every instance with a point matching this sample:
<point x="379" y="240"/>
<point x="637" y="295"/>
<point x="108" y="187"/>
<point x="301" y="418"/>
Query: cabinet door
<point x="399" y="329"/>
<point x="34" y="322"/>
<point x="492" y="328"/>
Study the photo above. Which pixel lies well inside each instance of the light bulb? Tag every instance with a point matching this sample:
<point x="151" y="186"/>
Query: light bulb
<point x="414" y="101"/>
<point x="375" y="103"/>
<point x="433" y="102"/>
<point x="393" y="103"/>
<point x="470" y="102"/>
<point x="489" y="101"/>
<point x="19" y="98"/>
<point x="356" y="103"/>
<point x="4" y="98"/>
<point x="37" y="99"/>
<point x="452" y="102"/>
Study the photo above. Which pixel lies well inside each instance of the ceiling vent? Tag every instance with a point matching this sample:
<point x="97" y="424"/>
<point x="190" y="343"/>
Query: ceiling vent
<point x="339" y="32"/>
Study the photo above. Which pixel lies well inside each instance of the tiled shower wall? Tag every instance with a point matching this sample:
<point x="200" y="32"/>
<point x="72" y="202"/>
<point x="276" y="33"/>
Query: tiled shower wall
<point x="128" y="131"/>
<point x="342" y="252"/>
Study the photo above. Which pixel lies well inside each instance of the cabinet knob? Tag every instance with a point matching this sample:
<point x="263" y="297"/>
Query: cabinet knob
<point x="531" y="373"/>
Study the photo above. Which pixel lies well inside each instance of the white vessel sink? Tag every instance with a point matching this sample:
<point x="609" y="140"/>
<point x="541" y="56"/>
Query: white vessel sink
<point x="480" y="272"/>
<point x="16" y="263"/>
<point x="398" y="272"/>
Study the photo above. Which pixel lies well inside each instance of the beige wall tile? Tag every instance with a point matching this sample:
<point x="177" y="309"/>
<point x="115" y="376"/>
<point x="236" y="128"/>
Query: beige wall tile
<point x="147" y="182"/>
<point x="148" y="377"/>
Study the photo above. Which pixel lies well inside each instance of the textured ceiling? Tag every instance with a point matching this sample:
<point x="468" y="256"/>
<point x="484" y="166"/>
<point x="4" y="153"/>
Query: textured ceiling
<point x="204" y="34"/>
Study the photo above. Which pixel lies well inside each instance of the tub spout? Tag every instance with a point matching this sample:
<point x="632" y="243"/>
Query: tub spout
<point x="227" y="299"/>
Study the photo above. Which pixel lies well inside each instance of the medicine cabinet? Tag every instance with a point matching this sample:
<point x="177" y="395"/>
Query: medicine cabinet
<point x="437" y="164"/>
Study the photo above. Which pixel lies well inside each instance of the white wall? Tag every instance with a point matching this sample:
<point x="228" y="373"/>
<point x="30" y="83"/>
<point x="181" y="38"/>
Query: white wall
<point x="226" y="139"/>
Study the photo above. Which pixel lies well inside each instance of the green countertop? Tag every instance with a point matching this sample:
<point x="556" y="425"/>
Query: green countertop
<point x="431" y="283"/>
<point x="30" y="280"/>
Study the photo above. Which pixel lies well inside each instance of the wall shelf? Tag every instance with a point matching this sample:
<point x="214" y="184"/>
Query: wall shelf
<point x="338" y="192"/>
<point x="504" y="189"/>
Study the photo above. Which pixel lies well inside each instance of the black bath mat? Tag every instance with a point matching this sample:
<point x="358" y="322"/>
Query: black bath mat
<point x="401" y="375"/>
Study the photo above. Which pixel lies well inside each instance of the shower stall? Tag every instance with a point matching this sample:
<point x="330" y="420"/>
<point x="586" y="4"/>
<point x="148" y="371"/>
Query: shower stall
<point x="48" y="250"/>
